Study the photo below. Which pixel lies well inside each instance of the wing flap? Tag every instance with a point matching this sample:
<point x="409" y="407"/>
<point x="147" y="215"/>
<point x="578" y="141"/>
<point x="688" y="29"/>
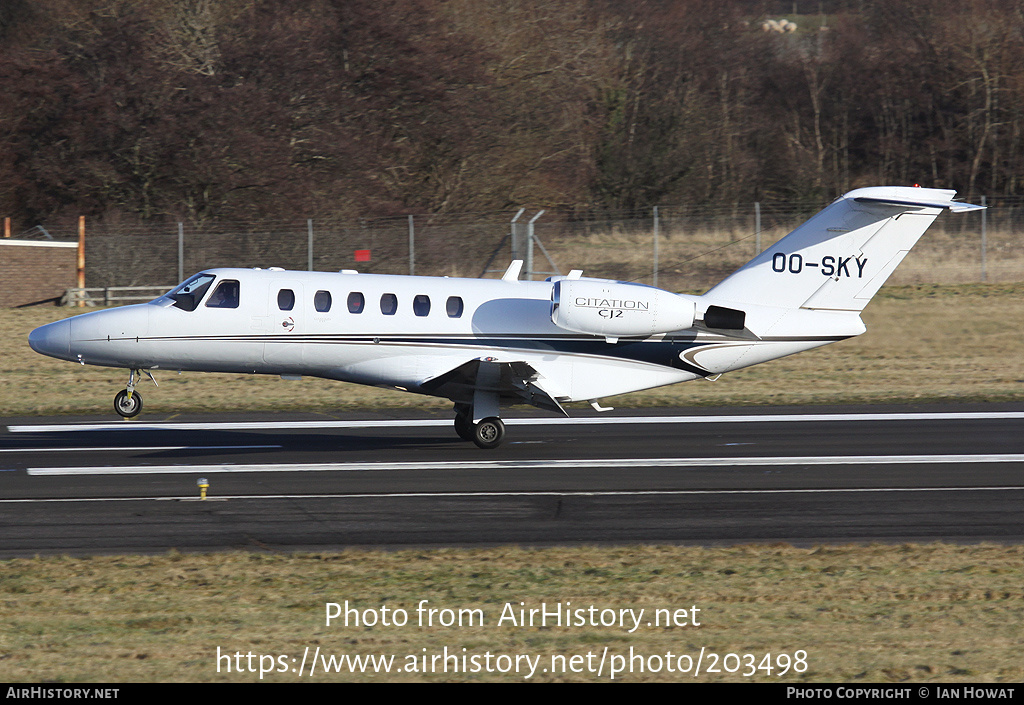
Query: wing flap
<point x="516" y="382"/>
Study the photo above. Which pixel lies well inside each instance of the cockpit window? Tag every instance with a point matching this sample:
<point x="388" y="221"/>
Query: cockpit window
<point x="188" y="295"/>
<point x="225" y="295"/>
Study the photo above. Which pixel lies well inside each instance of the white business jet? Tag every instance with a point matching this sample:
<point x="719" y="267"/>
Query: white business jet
<point x="484" y="343"/>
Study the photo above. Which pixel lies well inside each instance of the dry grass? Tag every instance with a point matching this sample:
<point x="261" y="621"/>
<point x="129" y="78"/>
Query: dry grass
<point x="862" y="613"/>
<point x="924" y="343"/>
<point x="695" y="260"/>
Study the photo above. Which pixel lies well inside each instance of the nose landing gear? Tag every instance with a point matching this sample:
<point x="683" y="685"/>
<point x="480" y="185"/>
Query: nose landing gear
<point x="128" y="402"/>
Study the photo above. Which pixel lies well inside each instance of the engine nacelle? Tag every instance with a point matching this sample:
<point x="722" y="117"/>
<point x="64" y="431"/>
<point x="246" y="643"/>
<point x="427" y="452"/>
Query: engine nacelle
<point x="618" y="310"/>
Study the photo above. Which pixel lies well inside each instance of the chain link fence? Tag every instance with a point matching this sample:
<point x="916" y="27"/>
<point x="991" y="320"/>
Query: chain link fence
<point x="678" y="248"/>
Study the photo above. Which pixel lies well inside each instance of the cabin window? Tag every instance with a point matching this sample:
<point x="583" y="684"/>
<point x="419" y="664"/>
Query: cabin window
<point x="286" y="299"/>
<point x="388" y="304"/>
<point x="188" y="295"/>
<point x="356" y="302"/>
<point x="421" y="305"/>
<point x="454" y="307"/>
<point x="322" y="301"/>
<point x="225" y="295"/>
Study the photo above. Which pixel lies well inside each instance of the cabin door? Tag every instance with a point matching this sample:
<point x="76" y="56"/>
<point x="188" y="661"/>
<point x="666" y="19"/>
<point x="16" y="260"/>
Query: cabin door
<point x="283" y="345"/>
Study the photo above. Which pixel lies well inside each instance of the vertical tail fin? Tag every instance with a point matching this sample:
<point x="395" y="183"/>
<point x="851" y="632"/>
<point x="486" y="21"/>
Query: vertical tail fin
<point x="838" y="259"/>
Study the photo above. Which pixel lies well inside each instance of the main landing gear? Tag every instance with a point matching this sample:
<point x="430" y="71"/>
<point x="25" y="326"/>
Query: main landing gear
<point x="487" y="433"/>
<point x="128" y="402"/>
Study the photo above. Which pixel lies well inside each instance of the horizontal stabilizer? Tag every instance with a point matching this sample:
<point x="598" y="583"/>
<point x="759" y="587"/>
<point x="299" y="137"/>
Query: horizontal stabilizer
<point x="953" y="206"/>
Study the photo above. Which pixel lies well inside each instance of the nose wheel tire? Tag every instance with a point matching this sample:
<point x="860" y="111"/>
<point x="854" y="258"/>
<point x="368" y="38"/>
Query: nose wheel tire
<point x="125" y="407"/>
<point x="489" y="433"/>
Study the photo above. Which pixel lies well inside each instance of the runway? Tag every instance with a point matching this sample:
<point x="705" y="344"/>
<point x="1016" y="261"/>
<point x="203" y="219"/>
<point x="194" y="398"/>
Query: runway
<point x="695" y="476"/>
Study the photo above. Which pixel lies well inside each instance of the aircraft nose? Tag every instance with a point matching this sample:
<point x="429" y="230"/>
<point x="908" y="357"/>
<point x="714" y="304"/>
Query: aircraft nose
<point x="53" y="339"/>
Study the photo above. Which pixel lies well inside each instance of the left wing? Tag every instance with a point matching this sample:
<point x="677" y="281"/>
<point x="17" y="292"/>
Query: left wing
<point x="515" y="382"/>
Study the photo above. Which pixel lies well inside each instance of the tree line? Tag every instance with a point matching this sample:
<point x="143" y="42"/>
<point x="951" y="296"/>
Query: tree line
<point x="202" y="110"/>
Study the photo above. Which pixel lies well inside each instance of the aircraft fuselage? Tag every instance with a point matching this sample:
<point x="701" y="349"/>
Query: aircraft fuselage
<point x="485" y="342"/>
<point x="384" y="330"/>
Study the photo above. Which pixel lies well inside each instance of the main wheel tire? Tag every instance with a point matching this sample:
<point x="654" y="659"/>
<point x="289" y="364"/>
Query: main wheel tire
<point x="489" y="433"/>
<point x="125" y="407"/>
<point x="464" y="427"/>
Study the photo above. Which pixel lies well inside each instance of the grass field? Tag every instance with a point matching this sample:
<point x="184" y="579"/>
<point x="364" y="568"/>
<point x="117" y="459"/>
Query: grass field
<point x="860" y="614"/>
<point x="956" y="343"/>
<point x="697" y="258"/>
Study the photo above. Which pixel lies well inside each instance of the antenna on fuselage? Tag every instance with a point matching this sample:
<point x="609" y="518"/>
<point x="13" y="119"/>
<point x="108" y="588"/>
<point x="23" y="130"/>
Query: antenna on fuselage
<point x="512" y="273"/>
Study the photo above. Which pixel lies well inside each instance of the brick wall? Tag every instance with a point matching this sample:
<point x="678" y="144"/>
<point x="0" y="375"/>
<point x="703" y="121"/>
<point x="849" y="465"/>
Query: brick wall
<point x="35" y="272"/>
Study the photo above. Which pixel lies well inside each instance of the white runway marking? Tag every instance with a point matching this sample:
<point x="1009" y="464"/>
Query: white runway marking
<point x="133" y="448"/>
<point x="543" y="493"/>
<point x="534" y="464"/>
<point x="583" y="421"/>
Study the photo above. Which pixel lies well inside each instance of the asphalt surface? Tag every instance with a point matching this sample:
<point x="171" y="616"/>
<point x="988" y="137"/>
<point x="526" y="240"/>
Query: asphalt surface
<point x="695" y="476"/>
